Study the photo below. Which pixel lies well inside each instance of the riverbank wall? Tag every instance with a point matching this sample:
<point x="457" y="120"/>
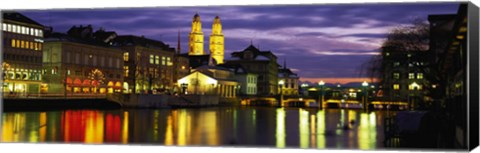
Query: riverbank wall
<point x="51" y="104"/>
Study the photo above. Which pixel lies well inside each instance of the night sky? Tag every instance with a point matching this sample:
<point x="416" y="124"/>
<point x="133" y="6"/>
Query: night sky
<point x="327" y="42"/>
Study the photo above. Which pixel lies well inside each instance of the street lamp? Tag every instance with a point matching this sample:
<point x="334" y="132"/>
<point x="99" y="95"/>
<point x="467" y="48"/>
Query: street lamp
<point x="365" y="86"/>
<point x="320" y="99"/>
<point x="280" y="83"/>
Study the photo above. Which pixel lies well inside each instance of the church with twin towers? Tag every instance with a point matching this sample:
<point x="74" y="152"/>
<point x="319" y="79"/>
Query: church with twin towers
<point x="196" y="40"/>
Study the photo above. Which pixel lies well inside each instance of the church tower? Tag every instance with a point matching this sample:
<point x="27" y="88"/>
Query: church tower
<point x="216" y="41"/>
<point x="196" y="37"/>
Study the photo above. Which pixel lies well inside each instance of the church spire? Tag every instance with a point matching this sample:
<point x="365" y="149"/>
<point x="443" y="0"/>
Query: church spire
<point x="217" y="41"/>
<point x="178" y="43"/>
<point x="196" y="37"/>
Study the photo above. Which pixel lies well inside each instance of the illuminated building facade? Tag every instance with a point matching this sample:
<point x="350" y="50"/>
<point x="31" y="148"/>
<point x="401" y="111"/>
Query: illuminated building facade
<point x="403" y="75"/>
<point x="211" y="80"/>
<point x="80" y="65"/>
<point x="246" y="80"/>
<point x="217" y="41"/>
<point x="22" y="55"/>
<point x="290" y="80"/>
<point x="262" y="63"/>
<point x="148" y="64"/>
<point x="196" y="37"/>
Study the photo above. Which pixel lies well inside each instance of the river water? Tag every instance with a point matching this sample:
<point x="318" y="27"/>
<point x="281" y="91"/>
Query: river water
<point x="219" y="126"/>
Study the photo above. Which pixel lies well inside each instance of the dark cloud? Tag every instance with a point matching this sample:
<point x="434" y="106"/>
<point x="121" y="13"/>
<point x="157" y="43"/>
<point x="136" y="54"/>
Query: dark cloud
<point x="329" y="40"/>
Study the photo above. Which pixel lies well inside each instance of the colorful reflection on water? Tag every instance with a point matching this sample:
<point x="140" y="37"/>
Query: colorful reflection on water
<point x="249" y="126"/>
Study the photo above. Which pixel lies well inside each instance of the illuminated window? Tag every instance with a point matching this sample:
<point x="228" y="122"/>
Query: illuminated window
<point x="169" y="62"/>
<point x="396" y="86"/>
<point x="36" y="32"/>
<point x="13" y="43"/>
<point x="125" y="70"/>
<point x="31" y="45"/>
<point x="387" y="54"/>
<point x="39" y="46"/>
<point x="32" y="31"/>
<point x="163" y="60"/>
<point x="40" y="33"/>
<point x="14" y="28"/>
<point x="409" y="55"/>
<point x="419" y="75"/>
<point x="36" y="46"/>
<point x="396" y="64"/>
<point x="152" y="58"/>
<point x="125" y="56"/>
<point x="23" y="30"/>
<point x="22" y="44"/>
<point x="157" y="60"/>
<point x="4" y="27"/>
<point x="396" y="75"/>
<point x="411" y="76"/>
<point x="414" y="87"/>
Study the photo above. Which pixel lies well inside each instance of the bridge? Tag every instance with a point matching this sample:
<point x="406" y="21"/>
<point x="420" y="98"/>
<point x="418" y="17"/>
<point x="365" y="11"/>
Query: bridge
<point x="330" y="103"/>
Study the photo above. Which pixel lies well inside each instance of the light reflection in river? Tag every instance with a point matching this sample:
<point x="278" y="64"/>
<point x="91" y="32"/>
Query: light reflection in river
<point x="251" y="126"/>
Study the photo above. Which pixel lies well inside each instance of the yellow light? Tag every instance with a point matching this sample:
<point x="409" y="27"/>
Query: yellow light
<point x="321" y="129"/>
<point x="304" y="128"/>
<point x="460" y="37"/>
<point x="125" y="128"/>
<point x="281" y="82"/>
<point x="280" y="131"/>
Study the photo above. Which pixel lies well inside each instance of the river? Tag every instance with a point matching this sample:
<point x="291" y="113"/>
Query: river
<point x="218" y="126"/>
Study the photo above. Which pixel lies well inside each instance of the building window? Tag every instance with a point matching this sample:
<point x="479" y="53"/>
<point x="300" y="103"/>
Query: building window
<point x="125" y="56"/>
<point x="22" y="44"/>
<point x="396" y="64"/>
<point x="36" y="46"/>
<point x="396" y="86"/>
<point x="396" y="75"/>
<point x="411" y="76"/>
<point x="13" y="43"/>
<point x="4" y="27"/>
<point x="40" y="33"/>
<point x="414" y="87"/>
<point x="163" y="60"/>
<point x="9" y="28"/>
<point x="419" y="75"/>
<point x="152" y="58"/>
<point x="169" y="62"/>
<point x="157" y="60"/>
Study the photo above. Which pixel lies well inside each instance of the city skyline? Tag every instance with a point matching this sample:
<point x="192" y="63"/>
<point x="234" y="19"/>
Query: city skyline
<point x="319" y="42"/>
